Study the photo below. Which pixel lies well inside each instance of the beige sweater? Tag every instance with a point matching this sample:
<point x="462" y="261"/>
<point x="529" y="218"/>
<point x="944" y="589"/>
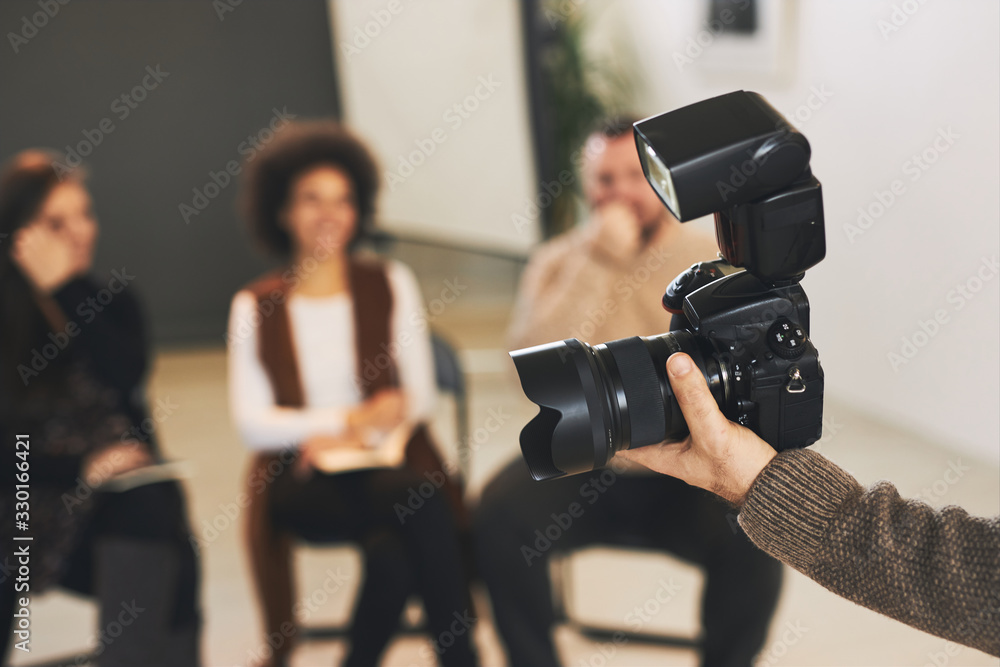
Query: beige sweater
<point x="569" y="291"/>
<point x="936" y="570"/>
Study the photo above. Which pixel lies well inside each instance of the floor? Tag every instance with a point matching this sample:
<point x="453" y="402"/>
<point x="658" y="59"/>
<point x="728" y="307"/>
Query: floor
<point x="812" y="626"/>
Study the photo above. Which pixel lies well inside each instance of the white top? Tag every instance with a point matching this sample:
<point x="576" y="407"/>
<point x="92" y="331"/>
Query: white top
<point x="323" y="337"/>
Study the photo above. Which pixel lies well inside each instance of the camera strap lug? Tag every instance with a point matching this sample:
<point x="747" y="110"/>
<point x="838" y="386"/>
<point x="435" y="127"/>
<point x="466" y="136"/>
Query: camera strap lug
<point x="795" y="384"/>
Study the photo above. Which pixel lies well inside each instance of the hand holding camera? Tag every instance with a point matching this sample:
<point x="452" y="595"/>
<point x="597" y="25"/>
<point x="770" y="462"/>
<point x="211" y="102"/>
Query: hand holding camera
<point x="718" y="455"/>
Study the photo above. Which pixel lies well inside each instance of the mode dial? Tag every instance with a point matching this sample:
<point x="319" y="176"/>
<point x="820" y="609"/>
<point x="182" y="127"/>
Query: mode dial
<point x="786" y="339"/>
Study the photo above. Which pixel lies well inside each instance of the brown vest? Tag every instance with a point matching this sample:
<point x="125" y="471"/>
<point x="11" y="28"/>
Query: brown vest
<point x="269" y="545"/>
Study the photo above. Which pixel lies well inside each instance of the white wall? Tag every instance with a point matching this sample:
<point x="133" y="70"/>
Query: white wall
<point x="888" y="96"/>
<point x="437" y="88"/>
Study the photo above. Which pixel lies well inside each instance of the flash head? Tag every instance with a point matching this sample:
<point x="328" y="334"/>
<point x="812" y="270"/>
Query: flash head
<point x="735" y="156"/>
<point x="720" y="152"/>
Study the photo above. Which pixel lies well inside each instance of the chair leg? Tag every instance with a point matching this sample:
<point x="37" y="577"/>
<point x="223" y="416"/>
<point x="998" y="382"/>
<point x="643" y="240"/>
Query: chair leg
<point x="563" y="606"/>
<point x="562" y="585"/>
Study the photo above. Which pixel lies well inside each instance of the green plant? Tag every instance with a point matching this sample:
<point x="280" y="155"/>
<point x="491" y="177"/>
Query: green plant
<point x="580" y="91"/>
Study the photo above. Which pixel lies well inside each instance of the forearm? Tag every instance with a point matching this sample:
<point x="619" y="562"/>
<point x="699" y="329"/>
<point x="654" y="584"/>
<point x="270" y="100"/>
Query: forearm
<point x="936" y="570"/>
<point x="276" y="428"/>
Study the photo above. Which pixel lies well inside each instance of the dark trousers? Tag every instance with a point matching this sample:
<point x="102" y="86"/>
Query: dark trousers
<point x="136" y="558"/>
<point x="653" y="511"/>
<point x="410" y="544"/>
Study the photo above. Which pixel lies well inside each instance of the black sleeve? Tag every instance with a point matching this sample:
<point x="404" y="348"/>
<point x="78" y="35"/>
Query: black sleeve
<point x="110" y="331"/>
<point x="79" y="423"/>
<point x="44" y="468"/>
<point x="60" y="471"/>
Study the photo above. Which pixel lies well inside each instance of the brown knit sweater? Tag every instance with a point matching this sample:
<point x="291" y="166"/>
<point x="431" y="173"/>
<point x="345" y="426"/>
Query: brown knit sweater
<point x="936" y="570"/>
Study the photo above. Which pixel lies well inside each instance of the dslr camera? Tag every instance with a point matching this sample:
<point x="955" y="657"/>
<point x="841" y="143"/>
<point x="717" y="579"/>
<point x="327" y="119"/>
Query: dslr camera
<point x="743" y="318"/>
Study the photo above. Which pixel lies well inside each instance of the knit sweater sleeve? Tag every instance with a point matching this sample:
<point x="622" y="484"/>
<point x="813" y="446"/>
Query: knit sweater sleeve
<point x="937" y="570"/>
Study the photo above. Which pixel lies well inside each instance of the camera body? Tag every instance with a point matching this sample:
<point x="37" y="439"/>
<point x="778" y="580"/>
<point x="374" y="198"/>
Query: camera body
<point x="758" y="335"/>
<point x="743" y="319"/>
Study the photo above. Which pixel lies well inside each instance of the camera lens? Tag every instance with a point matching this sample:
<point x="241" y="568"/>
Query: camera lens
<point x="596" y="400"/>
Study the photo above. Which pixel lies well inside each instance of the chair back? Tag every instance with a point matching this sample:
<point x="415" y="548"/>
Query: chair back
<point x="450" y="379"/>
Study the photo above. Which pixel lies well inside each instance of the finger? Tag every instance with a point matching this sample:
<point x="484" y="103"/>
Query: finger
<point x="37" y="234"/>
<point x="132" y="448"/>
<point x="662" y="458"/>
<point x="21" y="239"/>
<point x="639" y="455"/>
<point x="700" y="410"/>
<point x="27" y="242"/>
<point x="141" y="458"/>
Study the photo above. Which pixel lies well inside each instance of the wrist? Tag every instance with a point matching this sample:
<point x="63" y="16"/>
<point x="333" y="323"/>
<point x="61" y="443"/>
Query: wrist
<point x="49" y="286"/>
<point x="749" y="472"/>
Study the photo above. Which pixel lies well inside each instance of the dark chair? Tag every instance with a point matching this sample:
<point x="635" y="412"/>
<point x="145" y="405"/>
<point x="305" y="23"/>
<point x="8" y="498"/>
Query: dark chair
<point x="450" y="379"/>
<point x="562" y="594"/>
<point x="85" y="656"/>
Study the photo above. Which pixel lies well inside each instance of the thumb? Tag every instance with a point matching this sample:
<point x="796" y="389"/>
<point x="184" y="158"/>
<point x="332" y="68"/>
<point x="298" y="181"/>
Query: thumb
<point x="700" y="410"/>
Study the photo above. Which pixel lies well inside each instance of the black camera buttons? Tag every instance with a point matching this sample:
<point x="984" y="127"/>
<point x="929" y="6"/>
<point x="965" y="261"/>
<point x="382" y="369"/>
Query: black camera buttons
<point x="786" y="339"/>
